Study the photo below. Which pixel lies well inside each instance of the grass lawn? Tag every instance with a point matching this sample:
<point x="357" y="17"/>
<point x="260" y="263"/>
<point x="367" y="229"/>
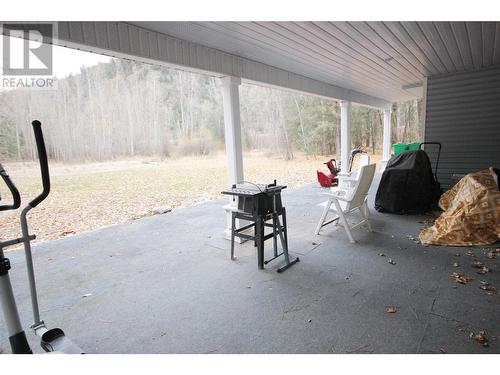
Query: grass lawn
<point x="94" y="195"/>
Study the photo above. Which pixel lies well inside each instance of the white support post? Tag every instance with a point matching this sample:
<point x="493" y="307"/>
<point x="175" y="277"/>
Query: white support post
<point x="386" y="143"/>
<point x="232" y="128"/>
<point x="232" y="135"/>
<point x="345" y="136"/>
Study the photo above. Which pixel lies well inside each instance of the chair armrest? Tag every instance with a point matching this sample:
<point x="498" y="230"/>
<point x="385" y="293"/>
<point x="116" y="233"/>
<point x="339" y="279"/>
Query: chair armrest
<point x="337" y="192"/>
<point x="344" y="197"/>
<point x="348" y="178"/>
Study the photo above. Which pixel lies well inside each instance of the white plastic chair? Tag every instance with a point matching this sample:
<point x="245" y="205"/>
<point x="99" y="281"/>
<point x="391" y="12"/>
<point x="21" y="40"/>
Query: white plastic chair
<point x="345" y="202"/>
<point x="347" y="182"/>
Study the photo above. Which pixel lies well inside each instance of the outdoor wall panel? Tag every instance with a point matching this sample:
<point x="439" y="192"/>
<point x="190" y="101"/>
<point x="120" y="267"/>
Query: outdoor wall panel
<point x="463" y="113"/>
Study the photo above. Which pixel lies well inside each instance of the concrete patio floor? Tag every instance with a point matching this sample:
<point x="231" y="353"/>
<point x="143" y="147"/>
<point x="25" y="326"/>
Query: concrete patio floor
<point x="165" y="284"/>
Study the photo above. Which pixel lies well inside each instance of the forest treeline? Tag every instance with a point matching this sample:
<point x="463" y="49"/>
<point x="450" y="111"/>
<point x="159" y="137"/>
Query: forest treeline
<point x="125" y="108"/>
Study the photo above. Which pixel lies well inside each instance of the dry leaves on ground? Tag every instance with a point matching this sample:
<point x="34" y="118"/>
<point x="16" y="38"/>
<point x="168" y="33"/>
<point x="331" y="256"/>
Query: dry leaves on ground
<point x="483" y="271"/>
<point x="477" y="264"/>
<point x="411" y="238"/>
<point x="460" y="278"/>
<point x="479" y="337"/>
<point x="492" y="254"/>
<point x="488" y="288"/>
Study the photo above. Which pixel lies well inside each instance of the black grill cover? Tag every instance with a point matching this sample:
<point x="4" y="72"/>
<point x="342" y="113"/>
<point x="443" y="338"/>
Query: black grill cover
<point x="407" y="185"/>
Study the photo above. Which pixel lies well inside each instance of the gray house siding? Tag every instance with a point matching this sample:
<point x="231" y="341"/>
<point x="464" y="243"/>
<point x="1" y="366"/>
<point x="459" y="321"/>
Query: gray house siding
<point x="463" y="113"/>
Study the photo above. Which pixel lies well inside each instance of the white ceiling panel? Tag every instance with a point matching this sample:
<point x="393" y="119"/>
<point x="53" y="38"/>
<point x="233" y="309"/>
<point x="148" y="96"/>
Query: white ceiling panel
<point x="379" y="59"/>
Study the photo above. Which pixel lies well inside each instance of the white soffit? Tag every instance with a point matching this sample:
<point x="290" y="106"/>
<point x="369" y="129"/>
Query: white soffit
<point x="388" y="60"/>
<point x="127" y="40"/>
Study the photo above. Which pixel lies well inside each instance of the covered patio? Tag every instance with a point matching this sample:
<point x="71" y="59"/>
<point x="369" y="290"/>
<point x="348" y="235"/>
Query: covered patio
<point x="165" y="286"/>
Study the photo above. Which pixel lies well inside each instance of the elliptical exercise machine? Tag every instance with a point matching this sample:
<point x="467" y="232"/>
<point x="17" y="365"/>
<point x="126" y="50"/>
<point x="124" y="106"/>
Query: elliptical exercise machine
<point x="51" y="340"/>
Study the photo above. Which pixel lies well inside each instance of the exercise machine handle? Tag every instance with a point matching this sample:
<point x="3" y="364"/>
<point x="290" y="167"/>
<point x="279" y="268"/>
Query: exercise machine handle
<point x="439" y="154"/>
<point x="44" y="165"/>
<point x="13" y="190"/>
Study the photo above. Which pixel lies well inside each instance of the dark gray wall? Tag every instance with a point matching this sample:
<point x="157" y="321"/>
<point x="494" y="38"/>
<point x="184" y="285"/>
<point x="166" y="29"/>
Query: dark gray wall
<point x="463" y="113"/>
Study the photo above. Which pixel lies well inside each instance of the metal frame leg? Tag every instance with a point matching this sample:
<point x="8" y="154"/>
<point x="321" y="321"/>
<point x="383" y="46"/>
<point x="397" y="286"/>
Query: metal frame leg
<point x="275" y="239"/>
<point x="233" y="228"/>
<point x="285" y="228"/>
<point x="284" y="243"/>
<point x="259" y="227"/>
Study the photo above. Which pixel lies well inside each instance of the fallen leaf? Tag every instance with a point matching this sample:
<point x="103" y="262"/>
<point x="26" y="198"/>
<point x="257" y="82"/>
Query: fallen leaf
<point x="492" y="254"/>
<point x="486" y="286"/>
<point x="460" y="278"/>
<point x="390" y="310"/>
<point x="476" y="264"/>
<point x="483" y="270"/>
<point x="479" y="337"/>
<point x="390" y="261"/>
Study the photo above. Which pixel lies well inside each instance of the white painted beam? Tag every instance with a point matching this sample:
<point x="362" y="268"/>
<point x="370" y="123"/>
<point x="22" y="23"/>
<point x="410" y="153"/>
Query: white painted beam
<point x="125" y="40"/>
<point x="345" y="136"/>
<point x="386" y="141"/>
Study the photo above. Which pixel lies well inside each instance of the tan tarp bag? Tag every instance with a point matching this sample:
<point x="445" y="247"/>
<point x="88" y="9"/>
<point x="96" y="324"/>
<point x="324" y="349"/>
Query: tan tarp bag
<point x="471" y="213"/>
